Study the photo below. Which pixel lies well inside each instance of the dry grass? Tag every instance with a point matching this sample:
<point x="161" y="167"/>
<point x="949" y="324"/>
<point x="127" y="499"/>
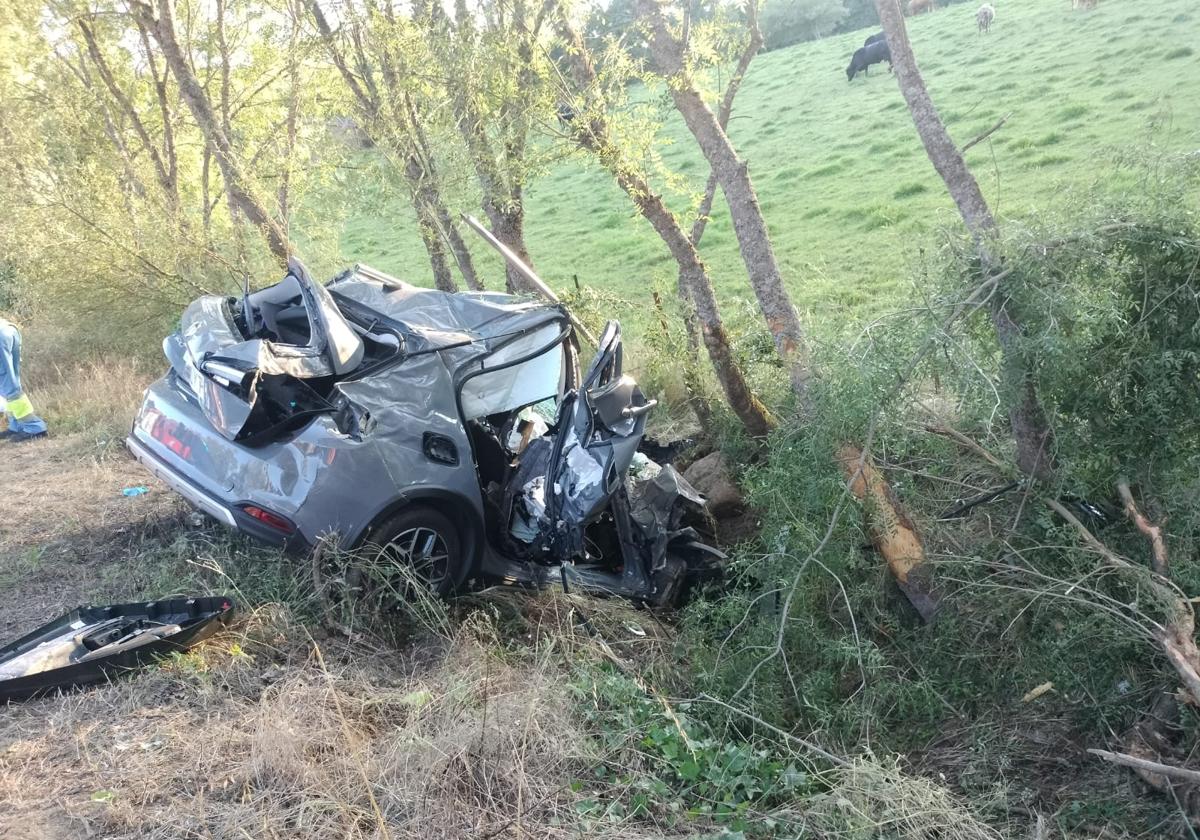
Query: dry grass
<point x="871" y="799"/>
<point x="229" y="742"/>
<point x="470" y="730"/>
<point x="78" y="389"/>
<point x="98" y="397"/>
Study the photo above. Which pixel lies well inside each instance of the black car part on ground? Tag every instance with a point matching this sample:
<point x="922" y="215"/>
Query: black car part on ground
<point x="93" y="644"/>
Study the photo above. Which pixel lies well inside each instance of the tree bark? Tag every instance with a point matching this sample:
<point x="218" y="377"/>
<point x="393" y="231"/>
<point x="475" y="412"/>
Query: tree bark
<point x="753" y="45"/>
<point x="427" y="224"/>
<point x="595" y="137"/>
<point x="283" y="193"/>
<point x="668" y="55"/>
<point x="237" y="185"/>
<point x="446" y="224"/>
<point x="1030" y="427"/>
<point x="402" y="133"/>
<point x="892" y="531"/>
<point x="165" y="173"/>
<point x="164" y="107"/>
<point x="501" y="192"/>
<point x="1152" y="532"/>
<point x="131" y="183"/>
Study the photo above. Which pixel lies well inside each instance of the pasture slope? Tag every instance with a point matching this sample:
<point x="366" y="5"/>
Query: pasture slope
<point x="846" y="186"/>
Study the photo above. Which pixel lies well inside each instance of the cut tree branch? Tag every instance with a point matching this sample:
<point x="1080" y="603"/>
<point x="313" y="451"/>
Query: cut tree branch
<point x="1158" y="543"/>
<point x="1182" y="774"/>
<point x="892" y="531"/>
<point x="1177" y="636"/>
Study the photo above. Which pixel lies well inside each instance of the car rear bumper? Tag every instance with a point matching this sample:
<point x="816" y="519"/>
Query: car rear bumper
<point x="225" y="513"/>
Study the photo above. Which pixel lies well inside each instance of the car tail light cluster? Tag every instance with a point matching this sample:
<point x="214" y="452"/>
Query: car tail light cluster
<point x="168" y="432"/>
<point x="266" y="517"/>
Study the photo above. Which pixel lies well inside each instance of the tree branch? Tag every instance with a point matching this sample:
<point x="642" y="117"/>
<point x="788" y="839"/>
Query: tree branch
<point x="1182" y="774"/>
<point x="1153" y="532"/>
<point x="987" y="133"/>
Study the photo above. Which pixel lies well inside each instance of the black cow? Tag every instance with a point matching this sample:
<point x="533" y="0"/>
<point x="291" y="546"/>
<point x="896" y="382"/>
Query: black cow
<point x="864" y="57"/>
<point x="879" y="36"/>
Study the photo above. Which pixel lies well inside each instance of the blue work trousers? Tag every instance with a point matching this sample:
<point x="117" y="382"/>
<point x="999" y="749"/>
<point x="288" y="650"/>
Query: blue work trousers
<point x="21" y="417"/>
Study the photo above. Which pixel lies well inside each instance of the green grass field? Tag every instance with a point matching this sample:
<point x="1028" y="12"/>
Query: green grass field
<point x="845" y="184"/>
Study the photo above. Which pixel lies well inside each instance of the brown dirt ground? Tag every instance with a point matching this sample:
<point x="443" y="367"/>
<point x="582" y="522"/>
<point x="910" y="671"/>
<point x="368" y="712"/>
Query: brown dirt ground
<point x="68" y="522"/>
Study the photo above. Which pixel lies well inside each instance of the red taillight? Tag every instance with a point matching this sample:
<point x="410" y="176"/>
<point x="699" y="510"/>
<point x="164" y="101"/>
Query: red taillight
<point x="164" y="431"/>
<point x="267" y="518"/>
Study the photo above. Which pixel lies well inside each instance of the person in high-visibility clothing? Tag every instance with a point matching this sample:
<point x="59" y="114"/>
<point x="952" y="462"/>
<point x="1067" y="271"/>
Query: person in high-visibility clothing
<point x="23" y="424"/>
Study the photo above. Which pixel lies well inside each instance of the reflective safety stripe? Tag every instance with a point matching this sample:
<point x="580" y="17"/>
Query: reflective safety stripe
<point x="20" y="407"/>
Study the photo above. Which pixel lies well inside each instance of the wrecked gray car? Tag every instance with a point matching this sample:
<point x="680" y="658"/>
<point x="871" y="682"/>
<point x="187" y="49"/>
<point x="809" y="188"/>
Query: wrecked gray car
<point x="455" y="429"/>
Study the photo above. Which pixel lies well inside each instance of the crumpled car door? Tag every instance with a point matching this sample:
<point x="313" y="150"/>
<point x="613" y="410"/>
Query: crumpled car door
<point x="600" y="428"/>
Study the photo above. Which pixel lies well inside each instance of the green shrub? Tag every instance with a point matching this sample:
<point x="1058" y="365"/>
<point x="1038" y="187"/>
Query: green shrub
<point x="672" y="765"/>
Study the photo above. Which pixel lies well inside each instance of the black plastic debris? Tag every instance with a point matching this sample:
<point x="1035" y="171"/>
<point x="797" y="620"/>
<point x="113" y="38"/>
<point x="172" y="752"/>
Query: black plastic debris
<point x="94" y="644"/>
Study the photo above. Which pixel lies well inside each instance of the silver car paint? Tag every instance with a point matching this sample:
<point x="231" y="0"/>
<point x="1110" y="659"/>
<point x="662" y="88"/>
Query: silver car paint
<point x="327" y="481"/>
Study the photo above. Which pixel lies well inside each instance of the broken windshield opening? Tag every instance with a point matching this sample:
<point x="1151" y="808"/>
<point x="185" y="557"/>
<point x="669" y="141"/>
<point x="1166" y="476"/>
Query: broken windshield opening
<point x="527" y="370"/>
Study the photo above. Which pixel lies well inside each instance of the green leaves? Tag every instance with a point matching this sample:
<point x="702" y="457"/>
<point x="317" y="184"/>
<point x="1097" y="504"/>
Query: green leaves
<point x="673" y="765"/>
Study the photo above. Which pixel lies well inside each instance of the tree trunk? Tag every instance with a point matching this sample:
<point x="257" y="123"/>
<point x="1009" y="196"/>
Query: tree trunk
<point x="893" y="533"/>
<point x="667" y="53"/>
<point x="501" y="195"/>
<point x="501" y="202"/>
<point x="1030" y="427"/>
<point x="164" y="172"/>
<point x="236" y="184"/>
<point x="446" y="224"/>
<point x="427" y="223"/>
<point x="595" y="137"/>
<point x="164" y="107"/>
<point x="753" y="45"/>
<point x="402" y="132"/>
<point x="462" y="255"/>
<point x="508" y="225"/>
<point x="290" y="128"/>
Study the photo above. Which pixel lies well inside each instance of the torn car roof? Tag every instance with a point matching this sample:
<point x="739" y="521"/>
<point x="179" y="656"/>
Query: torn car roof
<point x="440" y="318"/>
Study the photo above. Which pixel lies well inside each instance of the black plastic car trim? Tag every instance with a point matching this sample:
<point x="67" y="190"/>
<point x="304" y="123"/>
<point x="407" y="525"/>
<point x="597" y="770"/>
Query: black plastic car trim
<point x="197" y="619"/>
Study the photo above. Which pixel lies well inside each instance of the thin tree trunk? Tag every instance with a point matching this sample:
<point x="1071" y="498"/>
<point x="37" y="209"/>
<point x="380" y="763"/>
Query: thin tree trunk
<point x="462" y="255"/>
<point x="290" y="127"/>
<point x="753" y="45"/>
<point x="427" y="223"/>
<point x="506" y="216"/>
<point x="754" y="241"/>
<point x="1030" y="427"/>
<point x="446" y="224"/>
<point x="237" y="185"/>
<point x="402" y="132"/>
<point x="166" y="177"/>
<point x="131" y="183"/>
<point x="164" y="107"/>
<point x="501" y="196"/>
<point x="223" y="50"/>
<point x="595" y="137"/>
<point x="206" y="202"/>
<point x="692" y="380"/>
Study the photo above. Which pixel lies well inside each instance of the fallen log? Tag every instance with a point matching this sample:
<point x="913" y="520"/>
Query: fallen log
<point x="892" y="532"/>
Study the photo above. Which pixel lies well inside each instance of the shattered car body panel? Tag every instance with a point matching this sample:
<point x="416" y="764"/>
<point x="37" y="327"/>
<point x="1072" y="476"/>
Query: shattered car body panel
<point x="92" y="644"/>
<point x="301" y="411"/>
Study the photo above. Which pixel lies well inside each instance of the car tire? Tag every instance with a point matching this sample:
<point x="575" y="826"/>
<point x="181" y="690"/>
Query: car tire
<point x="425" y="541"/>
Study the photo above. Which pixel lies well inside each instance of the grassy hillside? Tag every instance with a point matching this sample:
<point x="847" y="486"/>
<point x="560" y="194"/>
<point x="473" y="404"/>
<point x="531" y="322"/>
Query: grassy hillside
<point x="846" y="186"/>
